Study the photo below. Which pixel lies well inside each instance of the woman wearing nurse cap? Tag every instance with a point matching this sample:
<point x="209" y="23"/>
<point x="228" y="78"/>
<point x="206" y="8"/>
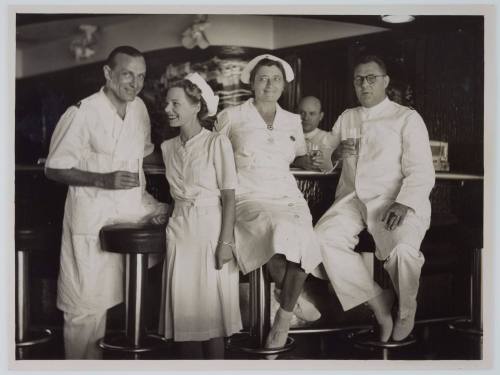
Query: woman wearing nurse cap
<point x="273" y="222"/>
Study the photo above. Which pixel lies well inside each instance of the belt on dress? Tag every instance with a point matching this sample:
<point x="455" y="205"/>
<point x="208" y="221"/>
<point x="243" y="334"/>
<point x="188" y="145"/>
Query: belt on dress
<point x="199" y="202"/>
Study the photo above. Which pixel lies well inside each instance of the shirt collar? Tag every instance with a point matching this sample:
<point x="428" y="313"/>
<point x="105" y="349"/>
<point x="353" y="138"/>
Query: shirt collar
<point x="250" y="102"/>
<point x="193" y="138"/>
<point x="376" y="109"/>
<point x="311" y="134"/>
<point x="108" y="102"/>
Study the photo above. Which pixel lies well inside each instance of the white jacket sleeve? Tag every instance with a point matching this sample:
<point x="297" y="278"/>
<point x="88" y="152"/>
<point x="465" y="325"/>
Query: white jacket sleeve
<point x="69" y="140"/>
<point x="416" y="163"/>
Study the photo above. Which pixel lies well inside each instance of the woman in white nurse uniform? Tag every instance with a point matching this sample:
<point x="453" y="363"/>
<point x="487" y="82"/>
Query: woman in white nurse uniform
<point x="273" y="222"/>
<point x="200" y="303"/>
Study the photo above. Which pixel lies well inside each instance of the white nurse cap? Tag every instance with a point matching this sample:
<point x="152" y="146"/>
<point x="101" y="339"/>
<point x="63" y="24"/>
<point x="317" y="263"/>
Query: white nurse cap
<point x="207" y="93"/>
<point x="245" y="73"/>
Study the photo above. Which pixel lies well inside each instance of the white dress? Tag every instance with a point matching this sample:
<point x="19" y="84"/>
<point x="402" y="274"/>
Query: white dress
<point x="199" y="302"/>
<point x="272" y="216"/>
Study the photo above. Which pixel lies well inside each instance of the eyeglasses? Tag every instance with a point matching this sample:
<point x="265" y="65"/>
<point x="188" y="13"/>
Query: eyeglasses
<point x="370" y="78"/>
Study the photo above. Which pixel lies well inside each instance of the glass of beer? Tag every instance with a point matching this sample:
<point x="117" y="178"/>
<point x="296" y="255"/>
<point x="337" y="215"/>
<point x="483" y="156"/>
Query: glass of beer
<point x="312" y="149"/>
<point x="354" y="137"/>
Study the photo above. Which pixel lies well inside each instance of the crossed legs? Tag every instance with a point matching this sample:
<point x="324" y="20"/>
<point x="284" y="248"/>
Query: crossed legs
<point x="290" y="278"/>
<point x="338" y="232"/>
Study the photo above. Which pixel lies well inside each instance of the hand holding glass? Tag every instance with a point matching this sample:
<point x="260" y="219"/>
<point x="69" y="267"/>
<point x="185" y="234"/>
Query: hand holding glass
<point x="354" y="138"/>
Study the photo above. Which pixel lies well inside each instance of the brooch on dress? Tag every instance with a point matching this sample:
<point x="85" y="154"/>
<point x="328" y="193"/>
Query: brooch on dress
<point x="292" y="138"/>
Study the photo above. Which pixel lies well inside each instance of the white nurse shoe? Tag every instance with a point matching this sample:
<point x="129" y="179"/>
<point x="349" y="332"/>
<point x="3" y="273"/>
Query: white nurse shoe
<point x="303" y="309"/>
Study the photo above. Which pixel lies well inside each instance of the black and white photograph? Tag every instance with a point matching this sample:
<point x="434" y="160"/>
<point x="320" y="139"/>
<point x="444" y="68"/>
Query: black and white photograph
<point x="251" y="188"/>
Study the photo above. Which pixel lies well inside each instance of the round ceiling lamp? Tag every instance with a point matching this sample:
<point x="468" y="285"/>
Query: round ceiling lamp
<point x="397" y="18"/>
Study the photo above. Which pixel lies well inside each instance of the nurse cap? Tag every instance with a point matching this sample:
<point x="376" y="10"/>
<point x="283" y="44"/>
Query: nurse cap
<point x="207" y="93"/>
<point x="245" y="73"/>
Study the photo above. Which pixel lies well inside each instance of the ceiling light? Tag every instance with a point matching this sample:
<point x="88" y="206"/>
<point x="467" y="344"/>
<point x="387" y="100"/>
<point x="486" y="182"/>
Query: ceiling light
<point x="397" y="18"/>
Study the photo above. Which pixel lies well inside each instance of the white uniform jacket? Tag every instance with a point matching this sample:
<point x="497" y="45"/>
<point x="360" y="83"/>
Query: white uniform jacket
<point x="92" y="137"/>
<point x="395" y="160"/>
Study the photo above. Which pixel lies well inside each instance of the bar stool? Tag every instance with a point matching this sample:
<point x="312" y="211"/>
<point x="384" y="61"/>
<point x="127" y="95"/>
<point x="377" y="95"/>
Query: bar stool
<point x="367" y="338"/>
<point x="474" y="324"/>
<point x="260" y="321"/>
<point x="28" y="240"/>
<point x="136" y="242"/>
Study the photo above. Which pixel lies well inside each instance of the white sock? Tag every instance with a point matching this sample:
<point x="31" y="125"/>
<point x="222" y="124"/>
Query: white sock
<point x="282" y="319"/>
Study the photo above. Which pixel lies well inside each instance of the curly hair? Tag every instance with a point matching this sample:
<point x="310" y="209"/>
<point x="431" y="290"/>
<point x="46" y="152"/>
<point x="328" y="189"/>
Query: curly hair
<point x="193" y="94"/>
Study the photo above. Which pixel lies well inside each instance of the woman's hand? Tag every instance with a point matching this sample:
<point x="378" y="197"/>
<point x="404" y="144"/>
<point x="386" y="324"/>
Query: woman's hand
<point x="223" y="254"/>
<point x="309" y="163"/>
<point x="158" y="219"/>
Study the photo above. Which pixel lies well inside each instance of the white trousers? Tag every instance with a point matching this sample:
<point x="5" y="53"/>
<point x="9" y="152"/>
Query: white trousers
<point x="81" y="334"/>
<point x="338" y="230"/>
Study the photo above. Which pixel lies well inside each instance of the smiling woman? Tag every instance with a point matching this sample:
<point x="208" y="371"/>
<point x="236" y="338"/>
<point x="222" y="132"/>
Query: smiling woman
<point x="273" y="222"/>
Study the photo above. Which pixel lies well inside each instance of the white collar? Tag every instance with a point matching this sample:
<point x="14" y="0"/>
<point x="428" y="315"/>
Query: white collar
<point x="311" y="134"/>
<point x="376" y="109"/>
<point x="110" y="103"/>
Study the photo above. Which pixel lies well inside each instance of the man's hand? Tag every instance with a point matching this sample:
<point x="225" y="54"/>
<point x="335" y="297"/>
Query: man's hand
<point x="223" y="254"/>
<point x="394" y="215"/>
<point x="344" y="150"/>
<point x="118" y="180"/>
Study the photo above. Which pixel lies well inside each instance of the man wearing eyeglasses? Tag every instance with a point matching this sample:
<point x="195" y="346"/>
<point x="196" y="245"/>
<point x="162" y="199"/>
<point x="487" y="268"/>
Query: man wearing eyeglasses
<point x="387" y="176"/>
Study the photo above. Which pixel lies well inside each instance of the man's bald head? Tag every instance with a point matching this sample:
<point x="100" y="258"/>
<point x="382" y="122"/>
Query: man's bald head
<point x="310" y="113"/>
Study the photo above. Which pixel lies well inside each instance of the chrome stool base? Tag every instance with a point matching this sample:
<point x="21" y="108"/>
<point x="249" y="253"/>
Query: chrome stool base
<point x="35" y="337"/>
<point x="122" y="343"/>
<point x="466" y="327"/>
<point x="367" y="339"/>
<point x="247" y="345"/>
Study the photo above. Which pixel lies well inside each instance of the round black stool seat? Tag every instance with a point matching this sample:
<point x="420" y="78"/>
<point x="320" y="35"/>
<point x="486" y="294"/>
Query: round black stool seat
<point x="136" y="241"/>
<point x="37" y="238"/>
<point x="28" y="239"/>
<point x="130" y="238"/>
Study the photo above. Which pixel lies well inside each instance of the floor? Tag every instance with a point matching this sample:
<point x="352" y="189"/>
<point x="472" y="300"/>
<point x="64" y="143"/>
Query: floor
<point x="433" y="342"/>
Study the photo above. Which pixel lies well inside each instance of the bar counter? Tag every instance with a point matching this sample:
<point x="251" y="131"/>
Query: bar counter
<point x="456" y="226"/>
<point x="152" y="169"/>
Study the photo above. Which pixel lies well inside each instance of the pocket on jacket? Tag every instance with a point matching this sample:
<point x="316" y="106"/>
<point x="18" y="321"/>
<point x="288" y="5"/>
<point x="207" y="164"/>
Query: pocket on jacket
<point x="87" y="215"/>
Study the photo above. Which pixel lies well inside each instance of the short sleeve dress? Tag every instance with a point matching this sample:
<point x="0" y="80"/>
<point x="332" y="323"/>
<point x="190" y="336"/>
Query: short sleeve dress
<point x="272" y="216"/>
<point x="198" y="302"/>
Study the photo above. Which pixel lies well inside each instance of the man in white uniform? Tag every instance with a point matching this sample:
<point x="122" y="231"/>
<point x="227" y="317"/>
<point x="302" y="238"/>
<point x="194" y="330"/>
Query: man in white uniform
<point x="97" y="149"/>
<point x="316" y="139"/>
<point x="384" y="186"/>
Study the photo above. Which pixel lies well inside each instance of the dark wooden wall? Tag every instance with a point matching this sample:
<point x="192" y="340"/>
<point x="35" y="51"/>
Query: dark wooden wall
<point x="41" y="100"/>
<point x="439" y="69"/>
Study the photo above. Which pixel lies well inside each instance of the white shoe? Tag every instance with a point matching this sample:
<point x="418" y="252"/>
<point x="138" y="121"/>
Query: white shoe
<point x="303" y="309"/>
<point x="279" y="332"/>
<point x="403" y="327"/>
<point x="381" y="306"/>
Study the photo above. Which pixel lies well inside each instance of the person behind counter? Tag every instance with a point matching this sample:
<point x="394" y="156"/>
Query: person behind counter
<point x="200" y="302"/>
<point x="273" y="222"/>
<point x="319" y="142"/>
<point x="97" y="149"/>
<point x="387" y="176"/>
